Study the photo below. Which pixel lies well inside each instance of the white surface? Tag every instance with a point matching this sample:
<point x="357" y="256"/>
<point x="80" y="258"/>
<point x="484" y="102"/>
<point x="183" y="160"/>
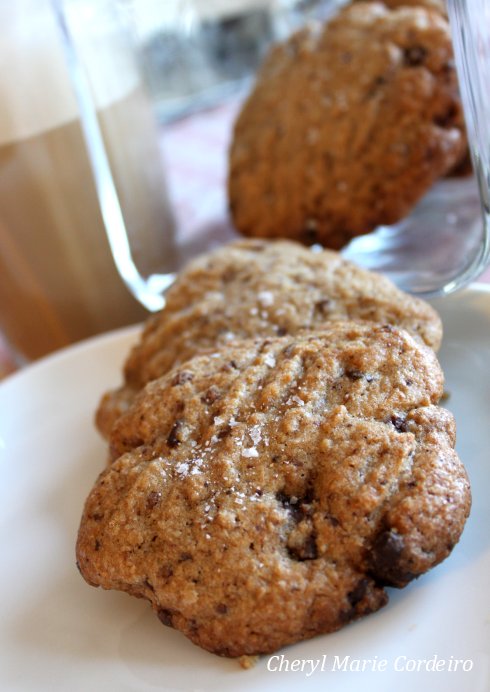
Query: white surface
<point x="57" y="633"/>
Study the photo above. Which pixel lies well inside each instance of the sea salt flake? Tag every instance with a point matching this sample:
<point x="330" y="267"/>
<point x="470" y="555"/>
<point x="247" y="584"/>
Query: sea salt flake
<point x="265" y="298"/>
<point x="269" y="360"/>
<point x="250" y="452"/>
<point x="182" y="468"/>
<point x="255" y="435"/>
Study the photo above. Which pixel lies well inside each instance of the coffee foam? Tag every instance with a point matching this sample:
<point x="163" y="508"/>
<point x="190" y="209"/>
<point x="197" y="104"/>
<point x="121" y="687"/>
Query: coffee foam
<point x="36" y="91"/>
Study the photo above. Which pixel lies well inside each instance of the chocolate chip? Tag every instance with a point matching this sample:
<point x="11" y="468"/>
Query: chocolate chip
<point x="165" y="616"/>
<point x="153" y="499"/>
<point x="306" y="551"/>
<point x="310" y="551"/>
<point x="222" y="608"/>
<point x="333" y="520"/>
<point x="282" y="331"/>
<point x="354" y="374"/>
<point x="174" y="438"/>
<point x="166" y="571"/>
<point x="310" y="235"/>
<point x="447" y="118"/>
<point x="228" y="367"/>
<point x="264" y="344"/>
<point x="97" y="544"/>
<point x="294" y="507"/>
<point x="323" y="306"/>
<point x="358" y="593"/>
<point x="386" y="559"/>
<point x="414" y="56"/>
<point x="224" y="432"/>
<point x="185" y="557"/>
<point x="211" y="395"/>
<point x="288" y="351"/>
<point x="400" y="424"/>
<point x="182" y="377"/>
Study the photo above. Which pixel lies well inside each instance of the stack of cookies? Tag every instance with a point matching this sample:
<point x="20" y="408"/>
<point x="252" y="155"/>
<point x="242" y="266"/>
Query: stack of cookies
<point x="278" y="456"/>
<point x="349" y="124"/>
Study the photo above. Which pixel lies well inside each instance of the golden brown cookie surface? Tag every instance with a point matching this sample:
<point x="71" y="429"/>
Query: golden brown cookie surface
<point x="436" y="5"/>
<point x="347" y="127"/>
<point x="267" y="493"/>
<point x="260" y="288"/>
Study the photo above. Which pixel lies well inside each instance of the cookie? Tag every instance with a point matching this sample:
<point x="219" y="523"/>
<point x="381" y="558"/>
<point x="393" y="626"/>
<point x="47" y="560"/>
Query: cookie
<point x="464" y="166"/>
<point x="270" y="491"/>
<point x="348" y="125"/>
<point x="260" y="288"/>
<point x="435" y="5"/>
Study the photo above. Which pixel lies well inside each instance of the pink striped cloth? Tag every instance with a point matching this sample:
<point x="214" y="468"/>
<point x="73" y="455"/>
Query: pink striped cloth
<point x="195" y="154"/>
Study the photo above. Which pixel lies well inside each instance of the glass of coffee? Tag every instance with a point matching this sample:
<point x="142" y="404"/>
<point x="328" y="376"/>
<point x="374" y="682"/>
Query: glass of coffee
<point x="86" y="231"/>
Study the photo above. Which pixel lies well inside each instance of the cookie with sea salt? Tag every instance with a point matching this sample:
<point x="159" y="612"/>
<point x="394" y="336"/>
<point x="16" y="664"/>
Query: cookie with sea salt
<point x="270" y="491"/>
<point x="260" y="288"/>
<point x="348" y="125"/>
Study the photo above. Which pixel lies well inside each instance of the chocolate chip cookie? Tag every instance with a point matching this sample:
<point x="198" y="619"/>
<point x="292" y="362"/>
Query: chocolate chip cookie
<point x="436" y="5"/>
<point x="348" y="125"/>
<point x="260" y="288"/>
<point x="269" y="492"/>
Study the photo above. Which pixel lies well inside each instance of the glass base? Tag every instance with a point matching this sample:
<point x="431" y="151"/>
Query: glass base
<point x="431" y="251"/>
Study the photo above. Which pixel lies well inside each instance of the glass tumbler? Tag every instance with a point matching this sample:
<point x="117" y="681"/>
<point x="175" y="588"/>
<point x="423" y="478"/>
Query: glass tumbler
<point x="86" y="231"/>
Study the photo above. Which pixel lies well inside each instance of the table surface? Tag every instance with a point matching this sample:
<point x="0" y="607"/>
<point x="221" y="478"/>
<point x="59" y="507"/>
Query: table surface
<point x="194" y="150"/>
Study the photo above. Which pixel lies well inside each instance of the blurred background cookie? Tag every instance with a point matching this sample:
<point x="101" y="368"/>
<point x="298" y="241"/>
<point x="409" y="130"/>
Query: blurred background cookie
<point x="436" y="5"/>
<point x="348" y="125"/>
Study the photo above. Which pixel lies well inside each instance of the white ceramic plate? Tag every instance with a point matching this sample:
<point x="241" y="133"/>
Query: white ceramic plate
<point x="57" y="633"/>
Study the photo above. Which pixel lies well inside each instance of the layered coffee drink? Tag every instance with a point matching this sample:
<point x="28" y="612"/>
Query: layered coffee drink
<point x="58" y="278"/>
